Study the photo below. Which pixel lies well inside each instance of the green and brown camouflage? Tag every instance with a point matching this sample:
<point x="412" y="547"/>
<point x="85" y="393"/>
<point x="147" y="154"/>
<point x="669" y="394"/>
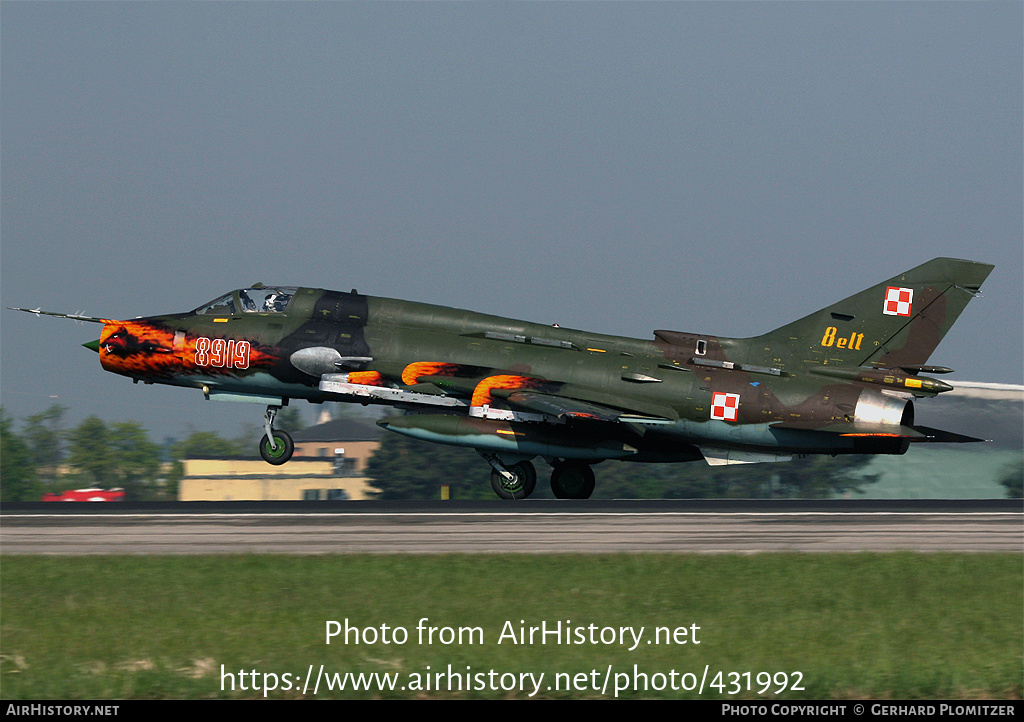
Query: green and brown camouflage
<point x="839" y="381"/>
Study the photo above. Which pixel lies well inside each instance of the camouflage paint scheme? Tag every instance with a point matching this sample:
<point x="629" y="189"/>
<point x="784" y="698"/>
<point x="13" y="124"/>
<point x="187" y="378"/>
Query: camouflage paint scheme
<point x="841" y="380"/>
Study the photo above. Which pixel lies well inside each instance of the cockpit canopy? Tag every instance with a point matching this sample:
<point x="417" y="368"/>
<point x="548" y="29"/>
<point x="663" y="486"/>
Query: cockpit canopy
<point x="257" y="299"/>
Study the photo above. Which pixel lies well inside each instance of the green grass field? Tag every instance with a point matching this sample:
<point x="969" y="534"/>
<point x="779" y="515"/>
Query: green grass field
<point x="903" y="626"/>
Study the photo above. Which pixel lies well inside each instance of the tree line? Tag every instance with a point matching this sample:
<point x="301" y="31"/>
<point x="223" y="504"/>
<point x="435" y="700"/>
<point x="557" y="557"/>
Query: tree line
<point x="47" y="455"/>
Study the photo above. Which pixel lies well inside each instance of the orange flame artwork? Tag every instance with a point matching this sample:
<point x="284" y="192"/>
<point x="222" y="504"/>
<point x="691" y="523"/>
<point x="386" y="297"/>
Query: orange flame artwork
<point x="145" y="349"/>
<point x="482" y="392"/>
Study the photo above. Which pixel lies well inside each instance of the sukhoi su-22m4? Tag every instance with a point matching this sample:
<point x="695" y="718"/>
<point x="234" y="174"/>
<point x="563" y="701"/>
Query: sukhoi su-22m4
<point x="840" y="381"/>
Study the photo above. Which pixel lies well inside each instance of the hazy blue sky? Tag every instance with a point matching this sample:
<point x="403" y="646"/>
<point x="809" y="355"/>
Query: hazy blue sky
<point x="622" y="167"/>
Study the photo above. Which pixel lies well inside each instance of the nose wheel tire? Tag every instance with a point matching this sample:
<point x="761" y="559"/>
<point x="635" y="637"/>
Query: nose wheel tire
<point x="519" y="487"/>
<point x="572" y="480"/>
<point x="282" y="450"/>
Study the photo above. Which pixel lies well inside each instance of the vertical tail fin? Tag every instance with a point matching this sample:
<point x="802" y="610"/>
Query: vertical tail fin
<point x="898" y="322"/>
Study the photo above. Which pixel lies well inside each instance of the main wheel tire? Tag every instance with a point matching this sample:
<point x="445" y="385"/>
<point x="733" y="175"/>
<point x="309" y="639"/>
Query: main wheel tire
<point x="283" y="452"/>
<point x="572" y="480"/>
<point x="520" y="487"/>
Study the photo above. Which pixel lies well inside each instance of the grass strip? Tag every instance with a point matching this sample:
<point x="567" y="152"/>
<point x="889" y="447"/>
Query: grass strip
<point x="898" y="626"/>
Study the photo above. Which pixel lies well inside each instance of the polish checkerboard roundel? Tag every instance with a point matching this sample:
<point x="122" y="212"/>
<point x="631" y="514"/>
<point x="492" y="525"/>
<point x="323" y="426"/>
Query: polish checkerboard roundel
<point x="898" y="301"/>
<point x="724" y="407"/>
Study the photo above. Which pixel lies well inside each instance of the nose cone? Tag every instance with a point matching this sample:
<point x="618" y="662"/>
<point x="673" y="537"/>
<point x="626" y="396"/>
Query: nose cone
<point x="94" y="345"/>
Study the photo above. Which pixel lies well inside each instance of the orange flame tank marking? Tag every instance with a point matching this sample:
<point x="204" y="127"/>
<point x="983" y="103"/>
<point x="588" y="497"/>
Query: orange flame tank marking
<point x="482" y="392"/>
<point x="413" y="371"/>
<point x="366" y="378"/>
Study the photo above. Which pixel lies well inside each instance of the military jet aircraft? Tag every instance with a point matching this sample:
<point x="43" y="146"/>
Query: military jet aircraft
<point x="839" y="381"/>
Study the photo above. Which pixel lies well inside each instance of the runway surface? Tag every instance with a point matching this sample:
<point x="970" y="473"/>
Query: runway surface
<point x="705" y="527"/>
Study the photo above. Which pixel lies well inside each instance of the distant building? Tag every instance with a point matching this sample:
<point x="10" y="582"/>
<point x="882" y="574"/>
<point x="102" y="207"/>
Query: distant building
<point x="350" y="443"/>
<point x="329" y="462"/>
<point x="249" y="479"/>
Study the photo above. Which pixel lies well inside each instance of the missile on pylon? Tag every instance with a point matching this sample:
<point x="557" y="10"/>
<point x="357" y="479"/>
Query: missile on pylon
<point x="897" y="379"/>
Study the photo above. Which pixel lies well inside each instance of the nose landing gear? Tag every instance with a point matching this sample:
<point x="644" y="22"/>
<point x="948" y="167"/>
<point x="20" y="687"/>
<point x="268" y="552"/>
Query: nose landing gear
<point x="276" y="447"/>
<point x="511" y="481"/>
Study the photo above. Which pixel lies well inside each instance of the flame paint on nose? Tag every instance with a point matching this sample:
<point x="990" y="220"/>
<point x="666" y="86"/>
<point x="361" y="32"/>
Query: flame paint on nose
<point x="138" y="349"/>
<point x="153" y="349"/>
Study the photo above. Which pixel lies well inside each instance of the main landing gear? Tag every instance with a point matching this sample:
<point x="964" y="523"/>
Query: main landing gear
<point x="572" y="480"/>
<point x="276" y="447"/>
<point x="569" y="479"/>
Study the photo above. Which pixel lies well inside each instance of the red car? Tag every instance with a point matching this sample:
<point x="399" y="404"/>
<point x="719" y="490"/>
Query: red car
<point x="86" y="495"/>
